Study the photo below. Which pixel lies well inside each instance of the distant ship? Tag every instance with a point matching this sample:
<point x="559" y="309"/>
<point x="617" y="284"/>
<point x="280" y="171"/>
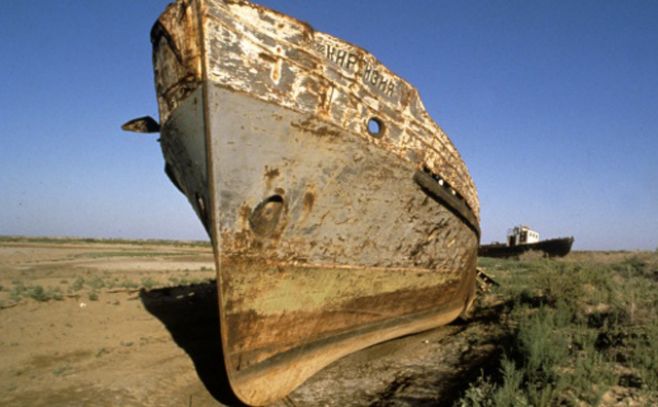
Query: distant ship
<point x="521" y="239"/>
<point x="340" y="214"/>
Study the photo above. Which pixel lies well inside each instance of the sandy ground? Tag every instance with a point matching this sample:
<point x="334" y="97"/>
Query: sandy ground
<point x="136" y="325"/>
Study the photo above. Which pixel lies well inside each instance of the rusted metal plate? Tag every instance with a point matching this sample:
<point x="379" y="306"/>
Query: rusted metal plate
<point x="301" y="155"/>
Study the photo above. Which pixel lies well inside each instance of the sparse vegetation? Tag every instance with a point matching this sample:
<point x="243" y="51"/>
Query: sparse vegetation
<point x="129" y="284"/>
<point x="33" y="282"/>
<point x="129" y="253"/>
<point x="78" y="283"/>
<point x="148" y="283"/>
<point x="38" y="293"/>
<point x="62" y="370"/>
<point x="55" y="240"/>
<point x="17" y="291"/>
<point x="575" y="331"/>
<point x="35" y="292"/>
<point x="96" y="283"/>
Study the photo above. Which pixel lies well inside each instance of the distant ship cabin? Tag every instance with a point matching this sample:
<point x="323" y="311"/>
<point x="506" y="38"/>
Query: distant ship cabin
<point x="520" y="235"/>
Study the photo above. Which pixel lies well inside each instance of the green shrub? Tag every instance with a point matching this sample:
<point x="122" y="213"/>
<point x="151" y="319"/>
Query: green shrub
<point x="478" y="394"/>
<point x="129" y="284"/>
<point x="573" y="326"/>
<point x="148" y="283"/>
<point x="17" y="291"/>
<point x="509" y="394"/>
<point x="96" y="283"/>
<point x="37" y="293"/>
<point x="78" y="283"/>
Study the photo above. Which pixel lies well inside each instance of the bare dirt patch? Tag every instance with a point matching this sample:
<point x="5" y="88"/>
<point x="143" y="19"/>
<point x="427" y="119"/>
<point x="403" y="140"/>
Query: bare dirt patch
<point x="89" y="338"/>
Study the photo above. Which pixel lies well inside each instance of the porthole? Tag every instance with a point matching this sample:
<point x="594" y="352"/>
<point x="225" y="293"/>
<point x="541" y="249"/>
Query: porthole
<point x="375" y="127"/>
<point x="265" y="216"/>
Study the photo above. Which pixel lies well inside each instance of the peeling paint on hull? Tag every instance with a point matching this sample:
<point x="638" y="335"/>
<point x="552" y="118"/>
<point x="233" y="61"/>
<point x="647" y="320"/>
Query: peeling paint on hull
<point x="325" y="239"/>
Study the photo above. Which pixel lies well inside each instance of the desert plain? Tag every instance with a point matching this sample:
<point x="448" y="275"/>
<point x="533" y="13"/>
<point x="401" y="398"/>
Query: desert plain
<point x="86" y="322"/>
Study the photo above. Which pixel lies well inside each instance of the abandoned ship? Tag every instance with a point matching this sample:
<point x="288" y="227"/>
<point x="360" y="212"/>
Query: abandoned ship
<point x="521" y="239"/>
<point x="340" y="214"/>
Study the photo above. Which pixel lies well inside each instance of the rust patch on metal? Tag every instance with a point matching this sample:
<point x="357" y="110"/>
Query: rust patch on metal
<point x="320" y="130"/>
<point x="309" y="200"/>
<point x="271" y="173"/>
<point x="255" y="337"/>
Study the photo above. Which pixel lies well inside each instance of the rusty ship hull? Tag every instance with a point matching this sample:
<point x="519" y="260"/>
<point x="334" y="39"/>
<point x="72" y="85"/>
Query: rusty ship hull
<point x="340" y="214"/>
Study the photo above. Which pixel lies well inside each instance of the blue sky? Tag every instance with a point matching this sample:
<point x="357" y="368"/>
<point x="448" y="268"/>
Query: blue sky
<point x="552" y="104"/>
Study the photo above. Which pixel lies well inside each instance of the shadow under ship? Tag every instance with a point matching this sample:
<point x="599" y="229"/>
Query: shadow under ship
<point x="340" y="213"/>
